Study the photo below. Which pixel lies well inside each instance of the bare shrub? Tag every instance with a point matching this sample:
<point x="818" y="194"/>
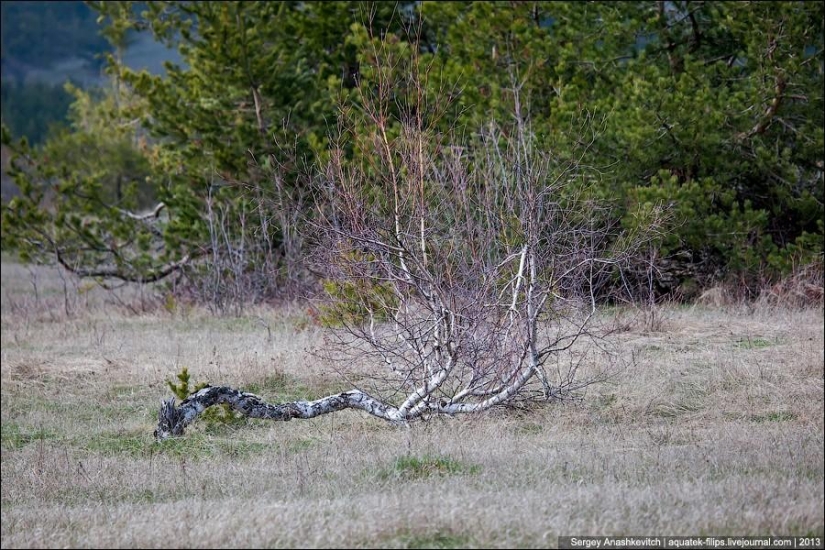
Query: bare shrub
<point x="463" y="267"/>
<point x="456" y="270"/>
<point x="803" y="288"/>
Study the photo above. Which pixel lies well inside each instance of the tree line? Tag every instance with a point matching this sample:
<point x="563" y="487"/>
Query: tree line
<point x="695" y="128"/>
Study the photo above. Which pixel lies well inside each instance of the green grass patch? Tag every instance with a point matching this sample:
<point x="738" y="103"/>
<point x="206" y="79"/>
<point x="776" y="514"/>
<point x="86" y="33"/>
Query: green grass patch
<point x="81" y="494"/>
<point x="437" y="539"/>
<point x="117" y="443"/>
<point x="195" y="446"/>
<point x="279" y="387"/>
<point x="530" y="428"/>
<point x="217" y="324"/>
<point x="242" y="449"/>
<point x="14" y="436"/>
<point x="117" y="412"/>
<point x="754" y="343"/>
<point x="680" y="398"/>
<point x="413" y="467"/>
<point x="606" y="401"/>
<point x="775" y="416"/>
<point x="675" y="408"/>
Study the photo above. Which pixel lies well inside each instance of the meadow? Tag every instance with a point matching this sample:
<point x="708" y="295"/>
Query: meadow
<point x="713" y="425"/>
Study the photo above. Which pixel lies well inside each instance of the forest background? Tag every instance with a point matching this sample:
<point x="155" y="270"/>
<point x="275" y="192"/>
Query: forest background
<point x="708" y="112"/>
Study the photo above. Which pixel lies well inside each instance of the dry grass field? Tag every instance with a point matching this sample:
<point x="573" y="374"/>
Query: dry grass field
<point x="713" y="426"/>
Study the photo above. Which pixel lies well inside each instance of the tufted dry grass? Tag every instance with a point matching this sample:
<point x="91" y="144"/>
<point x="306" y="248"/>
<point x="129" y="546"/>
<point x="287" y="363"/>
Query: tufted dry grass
<point x="714" y="426"/>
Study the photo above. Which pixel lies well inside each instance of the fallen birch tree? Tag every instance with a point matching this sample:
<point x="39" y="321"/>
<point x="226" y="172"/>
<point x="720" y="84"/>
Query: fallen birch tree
<point x="461" y="315"/>
<point x="464" y="278"/>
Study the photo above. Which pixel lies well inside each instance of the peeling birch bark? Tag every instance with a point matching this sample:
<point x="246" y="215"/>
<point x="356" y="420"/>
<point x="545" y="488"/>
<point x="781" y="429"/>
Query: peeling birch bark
<point x="173" y="420"/>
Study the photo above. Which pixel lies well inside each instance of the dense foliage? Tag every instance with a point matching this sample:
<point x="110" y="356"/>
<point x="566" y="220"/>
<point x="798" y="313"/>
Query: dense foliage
<point x="713" y="110"/>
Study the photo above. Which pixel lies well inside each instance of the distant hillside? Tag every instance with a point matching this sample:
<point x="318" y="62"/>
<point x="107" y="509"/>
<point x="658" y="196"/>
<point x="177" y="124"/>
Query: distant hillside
<point x="35" y="36"/>
<point x="45" y="44"/>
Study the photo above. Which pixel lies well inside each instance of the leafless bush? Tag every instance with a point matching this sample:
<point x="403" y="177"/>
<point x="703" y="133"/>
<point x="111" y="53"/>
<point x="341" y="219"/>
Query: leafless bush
<point x="465" y="269"/>
<point x="255" y="249"/>
<point x="459" y="273"/>
<point x="801" y="289"/>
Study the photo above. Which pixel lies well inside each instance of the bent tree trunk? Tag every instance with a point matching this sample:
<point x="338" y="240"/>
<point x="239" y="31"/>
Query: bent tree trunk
<point x="173" y="420"/>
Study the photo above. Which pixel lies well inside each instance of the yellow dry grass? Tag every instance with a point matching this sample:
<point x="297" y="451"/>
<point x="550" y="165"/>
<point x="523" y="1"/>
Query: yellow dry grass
<point x="714" y="426"/>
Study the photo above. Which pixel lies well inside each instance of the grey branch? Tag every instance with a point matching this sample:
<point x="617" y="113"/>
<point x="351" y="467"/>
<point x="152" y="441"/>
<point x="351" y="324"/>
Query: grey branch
<point x="112" y="272"/>
<point x="151" y="214"/>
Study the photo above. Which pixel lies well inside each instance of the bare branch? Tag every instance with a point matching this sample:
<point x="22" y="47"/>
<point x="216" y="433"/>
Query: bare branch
<point x="114" y="272"/>
<point x="154" y="213"/>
